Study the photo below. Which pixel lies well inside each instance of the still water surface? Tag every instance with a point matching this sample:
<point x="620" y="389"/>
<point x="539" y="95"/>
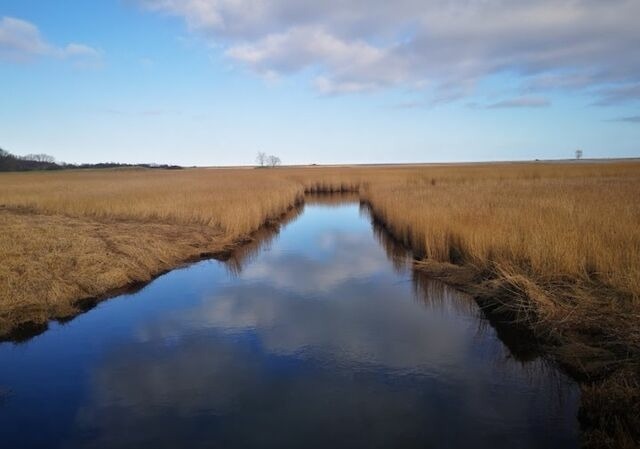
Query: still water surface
<point x="320" y="336"/>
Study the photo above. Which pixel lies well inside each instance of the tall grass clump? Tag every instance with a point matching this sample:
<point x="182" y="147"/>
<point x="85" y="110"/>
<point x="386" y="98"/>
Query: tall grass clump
<point x="574" y="224"/>
<point x="236" y="202"/>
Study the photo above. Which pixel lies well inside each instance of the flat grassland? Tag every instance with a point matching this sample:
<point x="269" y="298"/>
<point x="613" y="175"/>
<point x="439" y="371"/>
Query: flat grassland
<point x="554" y="246"/>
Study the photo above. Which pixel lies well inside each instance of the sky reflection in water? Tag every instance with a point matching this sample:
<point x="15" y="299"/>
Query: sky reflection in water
<point x="314" y="339"/>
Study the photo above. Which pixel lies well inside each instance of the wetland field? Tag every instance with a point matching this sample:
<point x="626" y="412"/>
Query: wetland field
<point x="313" y="283"/>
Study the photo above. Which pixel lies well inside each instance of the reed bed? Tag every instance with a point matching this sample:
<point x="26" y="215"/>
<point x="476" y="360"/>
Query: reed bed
<point x="235" y="202"/>
<point x="579" y="223"/>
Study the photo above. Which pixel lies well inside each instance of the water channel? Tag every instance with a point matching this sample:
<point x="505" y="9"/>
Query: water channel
<point x="316" y="336"/>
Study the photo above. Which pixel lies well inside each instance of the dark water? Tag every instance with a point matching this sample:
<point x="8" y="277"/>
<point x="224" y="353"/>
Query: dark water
<point x="319" y="337"/>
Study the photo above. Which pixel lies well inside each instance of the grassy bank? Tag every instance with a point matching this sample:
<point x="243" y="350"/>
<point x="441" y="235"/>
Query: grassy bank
<point x="69" y="236"/>
<point x="555" y="247"/>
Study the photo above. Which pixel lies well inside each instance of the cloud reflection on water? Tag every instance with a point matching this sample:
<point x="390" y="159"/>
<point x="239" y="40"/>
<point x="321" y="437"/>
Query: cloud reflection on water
<point x="328" y="346"/>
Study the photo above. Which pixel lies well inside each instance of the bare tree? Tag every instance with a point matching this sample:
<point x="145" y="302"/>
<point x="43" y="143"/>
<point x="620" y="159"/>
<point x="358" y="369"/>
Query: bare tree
<point x="261" y="158"/>
<point x="578" y="154"/>
<point x="39" y="158"/>
<point x="274" y="161"/>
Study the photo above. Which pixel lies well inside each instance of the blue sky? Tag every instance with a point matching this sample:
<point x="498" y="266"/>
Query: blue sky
<point x="211" y="82"/>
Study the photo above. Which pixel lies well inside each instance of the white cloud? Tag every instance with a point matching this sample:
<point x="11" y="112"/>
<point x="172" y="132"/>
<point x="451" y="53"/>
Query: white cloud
<point x="79" y="50"/>
<point x="359" y="45"/>
<point x="21" y="41"/>
<point x="354" y="65"/>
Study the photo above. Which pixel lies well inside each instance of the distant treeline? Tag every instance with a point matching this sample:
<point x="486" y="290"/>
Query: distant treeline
<point x="32" y="162"/>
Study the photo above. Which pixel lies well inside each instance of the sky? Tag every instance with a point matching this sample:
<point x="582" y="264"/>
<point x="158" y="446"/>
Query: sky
<point x="212" y="82"/>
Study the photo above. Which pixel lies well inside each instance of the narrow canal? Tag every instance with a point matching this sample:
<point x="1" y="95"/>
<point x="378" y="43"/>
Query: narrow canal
<point x="319" y="336"/>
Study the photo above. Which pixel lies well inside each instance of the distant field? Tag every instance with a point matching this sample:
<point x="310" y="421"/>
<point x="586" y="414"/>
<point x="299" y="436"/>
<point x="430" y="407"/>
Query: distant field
<point x="557" y="245"/>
